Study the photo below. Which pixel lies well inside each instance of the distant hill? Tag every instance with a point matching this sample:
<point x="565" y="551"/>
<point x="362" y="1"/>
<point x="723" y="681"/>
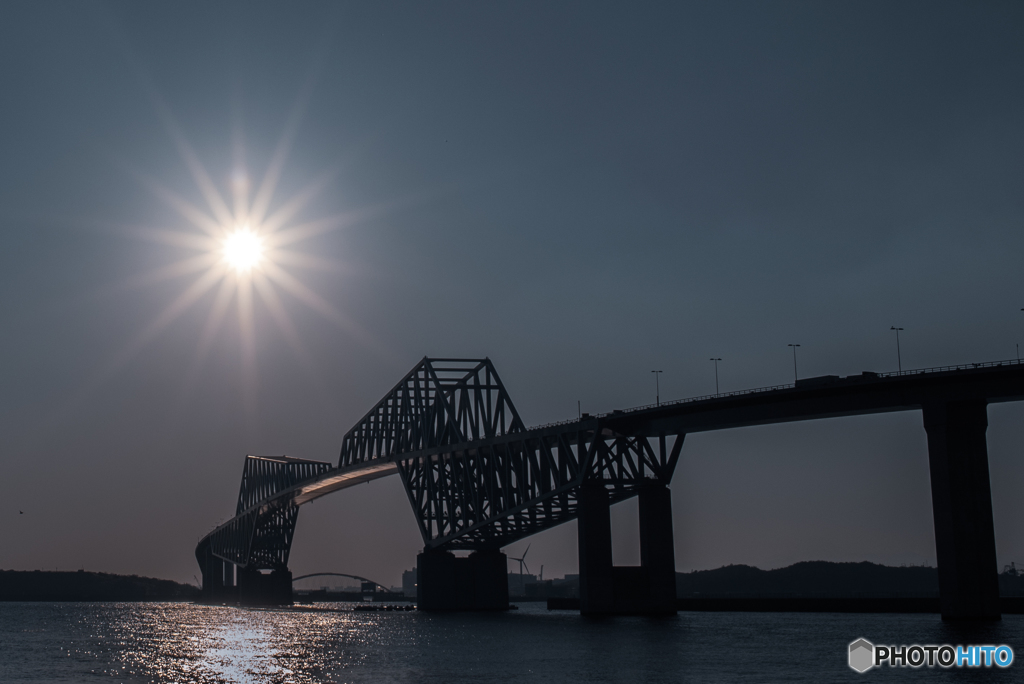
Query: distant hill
<point x="822" y="578"/>
<point x="36" y="585"/>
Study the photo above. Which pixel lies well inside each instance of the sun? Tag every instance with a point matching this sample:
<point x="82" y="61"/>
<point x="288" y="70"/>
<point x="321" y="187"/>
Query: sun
<point x="243" y="250"/>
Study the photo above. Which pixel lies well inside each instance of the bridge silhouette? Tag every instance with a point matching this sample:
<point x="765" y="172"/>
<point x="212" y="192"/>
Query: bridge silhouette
<point x="479" y="480"/>
<point x="377" y="586"/>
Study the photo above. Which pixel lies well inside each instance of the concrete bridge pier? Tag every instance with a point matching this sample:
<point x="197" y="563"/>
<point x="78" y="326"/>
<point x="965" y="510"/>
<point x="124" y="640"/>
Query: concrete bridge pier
<point x="218" y="579"/>
<point x="605" y="589"/>
<point x="257" y="588"/>
<point x="965" y="542"/>
<point x="657" y="548"/>
<point x="594" y="531"/>
<point x="224" y="582"/>
<point x="446" y="582"/>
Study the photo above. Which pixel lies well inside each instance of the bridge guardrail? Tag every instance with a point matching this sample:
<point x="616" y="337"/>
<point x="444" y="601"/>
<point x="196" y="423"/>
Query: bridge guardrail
<point x="773" y="388"/>
<point x="946" y="369"/>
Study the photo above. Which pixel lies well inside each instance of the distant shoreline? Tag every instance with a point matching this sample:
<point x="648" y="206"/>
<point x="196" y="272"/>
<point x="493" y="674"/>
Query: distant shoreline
<point x="1009" y="605"/>
<point x="84" y="586"/>
<point x="808" y="583"/>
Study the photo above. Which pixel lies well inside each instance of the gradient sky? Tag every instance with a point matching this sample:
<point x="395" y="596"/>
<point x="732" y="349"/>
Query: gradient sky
<point x="582" y="192"/>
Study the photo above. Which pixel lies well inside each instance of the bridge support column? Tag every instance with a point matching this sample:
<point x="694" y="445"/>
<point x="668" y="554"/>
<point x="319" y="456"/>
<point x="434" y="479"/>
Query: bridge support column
<point x="264" y="589"/>
<point x="965" y="542"/>
<point x="477" y="582"/>
<point x="597" y="593"/>
<point x="657" y="548"/>
<point x="218" y="579"/>
<point x="228" y="570"/>
<point x="649" y="589"/>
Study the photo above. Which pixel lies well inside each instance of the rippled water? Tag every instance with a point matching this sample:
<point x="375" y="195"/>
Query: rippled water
<point x="176" y="642"/>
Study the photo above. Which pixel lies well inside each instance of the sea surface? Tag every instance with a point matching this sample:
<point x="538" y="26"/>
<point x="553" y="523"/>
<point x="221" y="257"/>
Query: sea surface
<point x="330" y="643"/>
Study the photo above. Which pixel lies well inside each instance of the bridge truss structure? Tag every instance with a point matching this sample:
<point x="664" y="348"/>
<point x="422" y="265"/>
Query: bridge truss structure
<point x="476" y="477"/>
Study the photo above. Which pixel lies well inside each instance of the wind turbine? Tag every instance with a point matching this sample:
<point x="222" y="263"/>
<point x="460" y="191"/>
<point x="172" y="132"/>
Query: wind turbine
<point x="522" y="561"/>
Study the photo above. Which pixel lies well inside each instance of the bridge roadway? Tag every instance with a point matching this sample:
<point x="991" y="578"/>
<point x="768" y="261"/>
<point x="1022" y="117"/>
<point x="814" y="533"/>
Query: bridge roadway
<point x="423" y="435"/>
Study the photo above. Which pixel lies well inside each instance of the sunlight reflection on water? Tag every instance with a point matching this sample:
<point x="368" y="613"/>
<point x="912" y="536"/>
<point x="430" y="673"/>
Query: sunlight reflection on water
<point x="69" y="643"/>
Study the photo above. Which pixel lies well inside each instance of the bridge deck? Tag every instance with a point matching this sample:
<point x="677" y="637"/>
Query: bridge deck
<point x="808" y="399"/>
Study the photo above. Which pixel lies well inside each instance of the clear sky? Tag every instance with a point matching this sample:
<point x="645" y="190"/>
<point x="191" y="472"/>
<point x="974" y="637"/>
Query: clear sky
<point x="583" y="192"/>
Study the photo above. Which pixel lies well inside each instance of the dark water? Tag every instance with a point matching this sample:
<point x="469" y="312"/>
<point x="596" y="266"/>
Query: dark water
<point x="137" y="642"/>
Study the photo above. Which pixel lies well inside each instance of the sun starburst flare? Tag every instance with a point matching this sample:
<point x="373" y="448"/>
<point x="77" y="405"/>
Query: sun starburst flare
<point x="246" y="257"/>
<point x="243" y="250"/>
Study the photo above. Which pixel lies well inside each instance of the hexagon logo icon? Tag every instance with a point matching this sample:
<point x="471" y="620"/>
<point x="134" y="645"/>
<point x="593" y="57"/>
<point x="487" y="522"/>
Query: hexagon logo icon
<point x="862" y="655"/>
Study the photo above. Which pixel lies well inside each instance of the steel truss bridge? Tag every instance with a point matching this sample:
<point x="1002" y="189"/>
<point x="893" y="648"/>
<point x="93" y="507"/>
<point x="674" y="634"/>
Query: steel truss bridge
<point x="479" y="480"/>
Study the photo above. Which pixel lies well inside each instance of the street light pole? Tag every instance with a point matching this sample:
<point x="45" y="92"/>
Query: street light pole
<point x="794" y="346"/>
<point x="716" y="374"/>
<point x="899" y="361"/>
<point x="657" y="388"/>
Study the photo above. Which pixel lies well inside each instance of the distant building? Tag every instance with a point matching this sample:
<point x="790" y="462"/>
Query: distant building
<point x="517" y="583"/>
<point x="409" y="583"/>
<point x="569" y="587"/>
<point x="350" y="588"/>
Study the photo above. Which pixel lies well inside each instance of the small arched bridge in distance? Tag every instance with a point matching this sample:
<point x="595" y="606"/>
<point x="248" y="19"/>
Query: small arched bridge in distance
<point x="479" y="480"/>
<point x="377" y="586"/>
